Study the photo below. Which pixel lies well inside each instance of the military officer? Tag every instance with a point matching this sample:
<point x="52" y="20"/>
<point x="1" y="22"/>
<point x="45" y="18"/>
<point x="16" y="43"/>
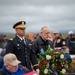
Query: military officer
<point x="22" y="47"/>
<point x="58" y="40"/>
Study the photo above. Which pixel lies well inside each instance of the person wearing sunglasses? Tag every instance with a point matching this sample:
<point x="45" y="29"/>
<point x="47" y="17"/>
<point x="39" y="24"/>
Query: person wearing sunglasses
<point x="22" y="47"/>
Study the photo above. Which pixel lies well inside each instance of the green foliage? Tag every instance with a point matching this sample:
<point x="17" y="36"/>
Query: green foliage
<point x="54" y="59"/>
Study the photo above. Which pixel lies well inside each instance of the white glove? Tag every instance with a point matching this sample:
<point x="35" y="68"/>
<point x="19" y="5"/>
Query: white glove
<point x="37" y="71"/>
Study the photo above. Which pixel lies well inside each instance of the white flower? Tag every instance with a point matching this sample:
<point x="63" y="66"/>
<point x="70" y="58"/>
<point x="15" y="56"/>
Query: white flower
<point x="63" y="71"/>
<point x="61" y="56"/>
<point x="66" y="66"/>
<point x="45" y="71"/>
<point x="51" y="49"/>
<point x="48" y="57"/>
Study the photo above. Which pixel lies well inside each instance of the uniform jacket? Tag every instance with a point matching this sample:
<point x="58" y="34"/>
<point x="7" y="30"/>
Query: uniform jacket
<point x="24" y="52"/>
<point x="39" y="43"/>
<point x="71" y="43"/>
<point x="59" y="42"/>
<point x="2" y="72"/>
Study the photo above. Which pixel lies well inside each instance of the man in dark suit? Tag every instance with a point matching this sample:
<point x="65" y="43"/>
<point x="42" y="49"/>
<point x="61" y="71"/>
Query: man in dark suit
<point x="22" y="47"/>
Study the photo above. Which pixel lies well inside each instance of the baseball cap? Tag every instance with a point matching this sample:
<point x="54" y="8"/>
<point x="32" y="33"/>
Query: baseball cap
<point x="11" y="59"/>
<point x="56" y="32"/>
<point x="70" y="32"/>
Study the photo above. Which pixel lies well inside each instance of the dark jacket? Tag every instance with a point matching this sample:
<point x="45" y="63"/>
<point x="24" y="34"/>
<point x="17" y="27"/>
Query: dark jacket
<point x="59" y="42"/>
<point x="24" y="52"/>
<point x="67" y="39"/>
<point x="3" y="72"/>
<point x="71" y="45"/>
<point x="39" y="43"/>
<point x="1" y="61"/>
<point x="3" y="46"/>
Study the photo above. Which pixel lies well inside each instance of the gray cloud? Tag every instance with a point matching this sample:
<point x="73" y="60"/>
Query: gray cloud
<point x="37" y="2"/>
<point x="56" y="14"/>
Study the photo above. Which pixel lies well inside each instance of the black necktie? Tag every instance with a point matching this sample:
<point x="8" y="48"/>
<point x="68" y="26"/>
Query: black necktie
<point x="23" y="41"/>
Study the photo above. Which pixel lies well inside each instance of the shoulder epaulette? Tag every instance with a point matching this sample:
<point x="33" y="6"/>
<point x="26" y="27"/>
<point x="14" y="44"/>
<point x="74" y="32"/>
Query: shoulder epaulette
<point x="10" y="38"/>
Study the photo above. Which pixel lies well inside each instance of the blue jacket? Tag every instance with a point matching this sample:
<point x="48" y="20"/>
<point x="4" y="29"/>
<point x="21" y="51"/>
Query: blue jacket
<point x="4" y="71"/>
<point x="68" y="57"/>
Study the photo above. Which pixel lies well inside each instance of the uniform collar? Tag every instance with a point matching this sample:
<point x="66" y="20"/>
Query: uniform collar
<point x="20" y="37"/>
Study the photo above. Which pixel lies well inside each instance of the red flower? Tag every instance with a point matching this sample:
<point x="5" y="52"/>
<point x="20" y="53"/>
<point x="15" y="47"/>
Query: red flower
<point x="40" y="67"/>
<point x="64" y="60"/>
<point x="54" y="74"/>
<point x="52" y="53"/>
<point x="59" y="67"/>
<point x="44" y="62"/>
<point x="57" y="50"/>
<point x="52" y="59"/>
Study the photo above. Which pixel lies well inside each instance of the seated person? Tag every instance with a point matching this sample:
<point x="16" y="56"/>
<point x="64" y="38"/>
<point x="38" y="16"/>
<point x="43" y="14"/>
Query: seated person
<point x="67" y="55"/>
<point x="10" y="66"/>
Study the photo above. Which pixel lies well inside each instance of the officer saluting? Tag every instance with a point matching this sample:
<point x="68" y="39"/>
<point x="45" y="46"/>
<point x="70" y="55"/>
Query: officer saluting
<point x="22" y="47"/>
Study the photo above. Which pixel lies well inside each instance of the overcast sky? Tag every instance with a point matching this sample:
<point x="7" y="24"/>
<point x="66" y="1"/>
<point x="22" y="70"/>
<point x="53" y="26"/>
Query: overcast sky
<point x="56" y="14"/>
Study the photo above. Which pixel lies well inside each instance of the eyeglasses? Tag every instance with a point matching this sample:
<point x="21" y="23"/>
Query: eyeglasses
<point x="46" y="33"/>
<point x="21" y="28"/>
<point x="13" y="66"/>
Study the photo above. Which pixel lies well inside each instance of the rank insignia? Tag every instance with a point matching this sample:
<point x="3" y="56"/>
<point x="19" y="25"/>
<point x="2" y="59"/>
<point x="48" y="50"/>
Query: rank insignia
<point x="23" y="23"/>
<point x="18" y="44"/>
<point x="58" y="41"/>
<point x="30" y="44"/>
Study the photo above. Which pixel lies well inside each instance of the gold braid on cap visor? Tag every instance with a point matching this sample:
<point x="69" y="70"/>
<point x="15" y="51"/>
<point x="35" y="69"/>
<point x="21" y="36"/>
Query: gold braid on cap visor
<point x="20" y="26"/>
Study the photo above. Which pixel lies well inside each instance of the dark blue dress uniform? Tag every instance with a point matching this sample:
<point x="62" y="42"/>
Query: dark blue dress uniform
<point x="22" y="49"/>
<point x="24" y="52"/>
<point x="59" y="42"/>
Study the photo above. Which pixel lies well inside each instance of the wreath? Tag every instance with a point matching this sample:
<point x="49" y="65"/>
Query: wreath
<point x="52" y="62"/>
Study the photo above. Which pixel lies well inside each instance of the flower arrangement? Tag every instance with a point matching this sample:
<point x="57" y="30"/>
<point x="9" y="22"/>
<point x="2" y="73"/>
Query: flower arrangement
<point x="52" y="62"/>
